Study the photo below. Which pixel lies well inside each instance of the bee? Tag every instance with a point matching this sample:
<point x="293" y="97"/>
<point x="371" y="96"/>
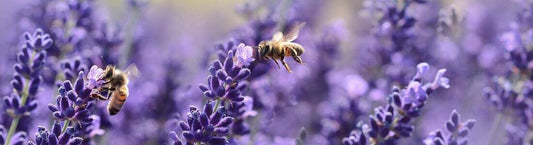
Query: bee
<point x="116" y="84"/>
<point x="281" y="46"/>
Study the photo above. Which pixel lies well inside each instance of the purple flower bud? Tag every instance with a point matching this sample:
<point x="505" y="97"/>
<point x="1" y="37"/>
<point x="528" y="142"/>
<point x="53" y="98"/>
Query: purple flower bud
<point x="203" y="87"/>
<point x="217" y="65"/>
<point x="188" y="136"/>
<point x="455" y="118"/>
<point x="470" y="123"/>
<point x="215" y="118"/>
<point x="243" y="74"/>
<point x="218" y="141"/>
<point x="209" y="94"/>
<point x="221" y="130"/>
<point x="56" y="128"/>
<point x="52" y="139"/>
<point x="16" y="85"/>
<point x="31" y="106"/>
<point x="53" y="108"/>
<point x="69" y="112"/>
<point x="67" y="85"/>
<point x="204" y="120"/>
<point x="226" y="121"/>
<point x="208" y="109"/>
<point x="59" y="115"/>
<point x="213" y="82"/>
<point x="22" y="58"/>
<point x="71" y="95"/>
<point x="75" y="141"/>
<point x="233" y="94"/>
<point x="184" y="126"/>
<point x="228" y="63"/>
<point x="221" y="74"/>
<point x="463" y="132"/>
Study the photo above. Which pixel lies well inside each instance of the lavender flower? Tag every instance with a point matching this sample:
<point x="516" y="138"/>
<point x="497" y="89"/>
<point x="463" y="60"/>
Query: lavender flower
<point x="243" y="55"/>
<point x="223" y="83"/>
<point x="73" y="102"/>
<point x="55" y="136"/>
<point x="458" y="132"/>
<point x="71" y="67"/>
<point x="74" y="107"/>
<point x="210" y="126"/>
<point x="390" y="123"/>
<point x="27" y="78"/>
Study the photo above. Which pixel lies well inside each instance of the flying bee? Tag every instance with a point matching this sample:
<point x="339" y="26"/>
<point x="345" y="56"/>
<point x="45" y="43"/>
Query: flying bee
<point x="281" y="46"/>
<point x="116" y="85"/>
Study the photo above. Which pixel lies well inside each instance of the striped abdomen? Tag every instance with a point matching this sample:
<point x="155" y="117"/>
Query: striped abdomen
<point x="117" y="100"/>
<point x="293" y="49"/>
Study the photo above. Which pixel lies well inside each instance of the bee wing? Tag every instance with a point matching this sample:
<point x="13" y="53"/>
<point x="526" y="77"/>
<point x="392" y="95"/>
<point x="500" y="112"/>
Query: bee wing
<point x="277" y="37"/>
<point x="131" y="71"/>
<point x="293" y="32"/>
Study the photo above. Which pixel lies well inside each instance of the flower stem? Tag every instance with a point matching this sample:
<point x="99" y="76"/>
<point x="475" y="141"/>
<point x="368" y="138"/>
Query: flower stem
<point x="12" y="129"/>
<point x="216" y="105"/>
<point x="67" y="123"/>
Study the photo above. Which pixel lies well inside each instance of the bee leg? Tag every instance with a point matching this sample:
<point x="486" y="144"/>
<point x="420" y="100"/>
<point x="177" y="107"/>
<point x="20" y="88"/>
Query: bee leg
<point x="296" y="57"/>
<point x="285" y="64"/>
<point x="101" y="97"/>
<point x="277" y="63"/>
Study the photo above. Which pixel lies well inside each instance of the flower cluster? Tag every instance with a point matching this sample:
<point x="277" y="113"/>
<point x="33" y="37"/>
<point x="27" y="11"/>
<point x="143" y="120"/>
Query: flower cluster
<point x="210" y="126"/>
<point x="458" y="132"/>
<point x="223" y="83"/>
<point x="26" y="79"/>
<point x="70" y="68"/>
<point x="73" y="102"/>
<point x="55" y="136"/>
<point x="390" y="123"/>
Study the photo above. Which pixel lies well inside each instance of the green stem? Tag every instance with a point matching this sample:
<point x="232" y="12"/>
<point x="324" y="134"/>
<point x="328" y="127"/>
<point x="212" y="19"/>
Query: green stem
<point x="12" y="129"/>
<point x="494" y="127"/>
<point x="198" y="143"/>
<point x="216" y="105"/>
<point x="67" y="123"/>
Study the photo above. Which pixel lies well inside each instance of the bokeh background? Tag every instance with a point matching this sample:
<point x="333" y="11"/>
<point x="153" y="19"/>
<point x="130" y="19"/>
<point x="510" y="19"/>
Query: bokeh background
<point x="354" y="55"/>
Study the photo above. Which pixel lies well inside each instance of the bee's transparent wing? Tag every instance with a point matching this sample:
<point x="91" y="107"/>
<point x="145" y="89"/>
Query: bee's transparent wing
<point x="131" y="71"/>
<point x="277" y="37"/>
<point x="292" y="34"/>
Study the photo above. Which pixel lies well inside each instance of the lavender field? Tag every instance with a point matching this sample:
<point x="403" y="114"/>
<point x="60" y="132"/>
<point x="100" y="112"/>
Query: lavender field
<point x="266" y="72"/>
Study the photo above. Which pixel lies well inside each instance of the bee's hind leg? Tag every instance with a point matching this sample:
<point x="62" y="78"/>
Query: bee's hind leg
<point x="296" y="57"/>
<point x="285" y="64"/>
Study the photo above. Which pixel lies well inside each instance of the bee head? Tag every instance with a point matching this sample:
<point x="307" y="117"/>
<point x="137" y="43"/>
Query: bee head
<point x="109" y="72"/>
<point x="263" y="49"/>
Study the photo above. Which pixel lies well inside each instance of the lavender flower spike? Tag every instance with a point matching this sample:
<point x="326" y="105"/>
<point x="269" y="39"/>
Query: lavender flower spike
<point x="458" y="132"/>
<point x="26" y="79"/>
